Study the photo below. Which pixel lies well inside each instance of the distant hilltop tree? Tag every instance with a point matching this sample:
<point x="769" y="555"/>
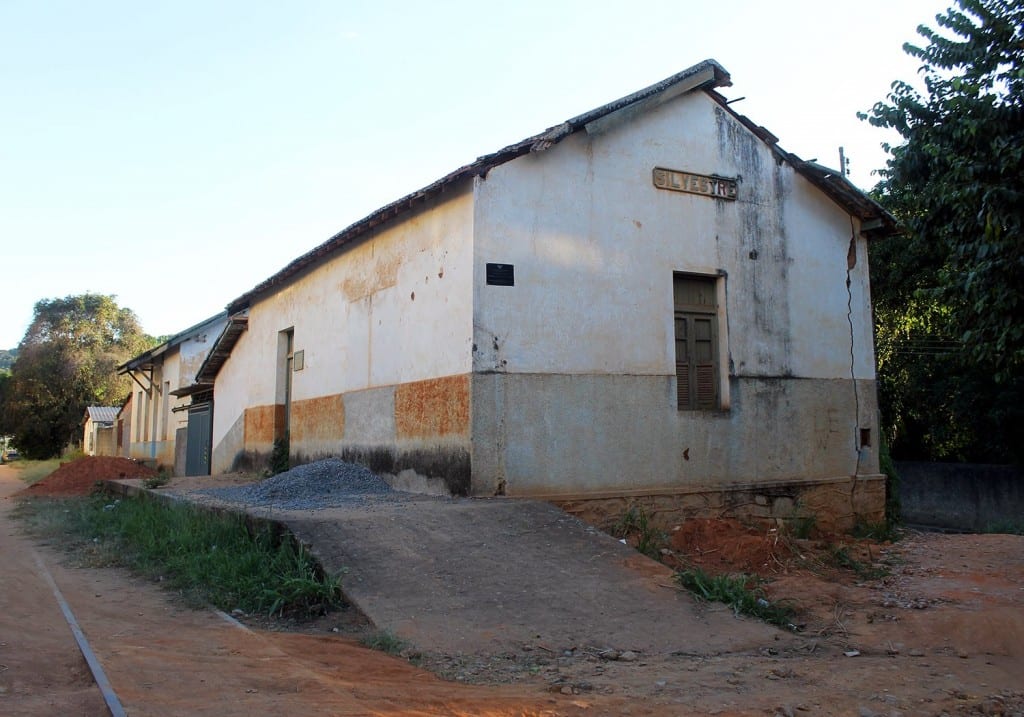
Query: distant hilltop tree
<point x="7" y="358"/>
<point x="67" y="361"/>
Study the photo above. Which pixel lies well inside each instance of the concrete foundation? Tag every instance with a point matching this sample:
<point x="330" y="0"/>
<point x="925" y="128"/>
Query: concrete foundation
<point x="834" y="505"/>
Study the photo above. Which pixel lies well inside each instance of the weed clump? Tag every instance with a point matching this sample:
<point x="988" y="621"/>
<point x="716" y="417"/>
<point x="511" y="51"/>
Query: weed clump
<point x="635" y="522"/>
<point x="883" y="532"/>
<point x="1009" y="527"/>
<point x="158" y="481"/>
<point x="893" y="505"/>
<point x="740" y="592"/>
<point x="385" y="641"/>
<point x="280" y="457"/>
<point x="840" y="556"/>
<point x="212" y="558"/>
<point x="803" y="526"/>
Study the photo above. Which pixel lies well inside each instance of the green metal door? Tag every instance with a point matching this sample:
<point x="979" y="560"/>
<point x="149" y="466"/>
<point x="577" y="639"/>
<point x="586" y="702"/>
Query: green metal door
<point x="200" y="435"/>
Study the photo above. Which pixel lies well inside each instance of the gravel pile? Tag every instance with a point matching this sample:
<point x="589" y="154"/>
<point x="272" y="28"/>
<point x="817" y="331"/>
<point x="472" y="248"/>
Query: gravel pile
<point x="323" y="484"/>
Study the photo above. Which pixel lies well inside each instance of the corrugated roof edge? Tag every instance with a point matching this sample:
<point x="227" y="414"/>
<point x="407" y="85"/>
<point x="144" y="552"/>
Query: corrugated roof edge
<point x="719" y="77"/>
<point x="133" y="363"/>
<point x="102" y="414"/>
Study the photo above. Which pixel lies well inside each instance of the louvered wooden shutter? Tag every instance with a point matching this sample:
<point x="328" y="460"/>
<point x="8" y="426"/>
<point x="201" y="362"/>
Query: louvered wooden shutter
<point x="696" y="343"/>
<point x="703" y="362"/>
<point x="682" y="363"/>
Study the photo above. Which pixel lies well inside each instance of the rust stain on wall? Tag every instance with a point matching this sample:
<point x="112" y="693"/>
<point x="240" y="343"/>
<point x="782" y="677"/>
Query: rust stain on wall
<point x="436" y="407"/>
<point x="318" y="419"/>
<point x="377" y="274"/>
<point x="263" y="424"/>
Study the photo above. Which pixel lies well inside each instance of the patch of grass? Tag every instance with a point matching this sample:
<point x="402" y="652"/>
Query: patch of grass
<point x="840" y="557"/>
<point x="280" y="457"/>
<point x="158" y="481"/>
<point x="385" y="641"/>
<point x="1009" y="527"/>
<point x="46" y="518"/>
<point x="740" y="592"/>
<point x="884" y="532"/>
<point x="802" y="523"/>
<point x="802" y="526"/>
<point x="893" y="505"/>
<point x="33" y="471"/>
<point x="214" y="558"/>
<point x="636" y="522"/>
<point x="72" y="454"/>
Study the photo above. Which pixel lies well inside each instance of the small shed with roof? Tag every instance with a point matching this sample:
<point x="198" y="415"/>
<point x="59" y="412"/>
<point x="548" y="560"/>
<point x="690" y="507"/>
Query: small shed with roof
<point x="98" y="437"/>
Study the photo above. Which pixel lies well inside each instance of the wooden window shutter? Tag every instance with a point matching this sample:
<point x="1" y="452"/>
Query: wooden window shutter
<point x="696" y="337"/>
<point x="703" y="362"/>
<point x="682" y="363"/>
<point x="706" y="386"/>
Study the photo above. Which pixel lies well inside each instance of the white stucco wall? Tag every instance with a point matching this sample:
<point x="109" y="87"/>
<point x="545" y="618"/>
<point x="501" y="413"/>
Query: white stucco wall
<point x="573" y="367"/>
<point x="595" y="244"/>
<point x="395" y="308"/>
<point x="169" y="422"/>
<point x="153" y="439"/>
<point x="194" y="349"/>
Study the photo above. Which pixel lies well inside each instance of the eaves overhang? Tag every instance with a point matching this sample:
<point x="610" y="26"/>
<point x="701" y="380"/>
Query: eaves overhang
<point x="236" y="325"/>
<point x="191" y="390"/>
<point x="702" y="76"/>
<point x="147" y="359"/>
<point x="875" y="220"/>
<point x="144" y="361"/>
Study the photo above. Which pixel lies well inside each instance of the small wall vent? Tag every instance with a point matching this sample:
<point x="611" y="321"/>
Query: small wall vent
<point x="865" y="438"/>
<point x="501" y="275"/>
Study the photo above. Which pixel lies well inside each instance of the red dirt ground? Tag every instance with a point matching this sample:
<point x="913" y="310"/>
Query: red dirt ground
<point x="730" y="547"/>
<point x="937" y="631"/>
<point x="79" y="477"/>
<point x="727" y="546"/>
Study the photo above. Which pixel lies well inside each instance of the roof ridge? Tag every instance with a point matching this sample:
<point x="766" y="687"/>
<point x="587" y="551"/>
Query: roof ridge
<point x="717" y="76"/>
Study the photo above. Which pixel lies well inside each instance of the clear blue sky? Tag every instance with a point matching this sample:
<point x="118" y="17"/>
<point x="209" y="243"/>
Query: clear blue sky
<point x="177" y="153"/>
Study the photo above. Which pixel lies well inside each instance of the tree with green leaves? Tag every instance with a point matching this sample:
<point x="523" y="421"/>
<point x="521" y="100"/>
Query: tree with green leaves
<point x="67" y="361"/>
<point x="5" y="381"/>
<point x="7" y="358"/>
<point x="949" y="294"/>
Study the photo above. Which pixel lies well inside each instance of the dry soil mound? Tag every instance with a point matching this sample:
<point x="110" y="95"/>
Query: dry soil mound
<point x="79" y="476"/>
<point x="727" y="546"/>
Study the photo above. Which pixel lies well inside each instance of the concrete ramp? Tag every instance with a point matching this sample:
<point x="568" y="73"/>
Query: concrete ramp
<point x="493" y="575"/>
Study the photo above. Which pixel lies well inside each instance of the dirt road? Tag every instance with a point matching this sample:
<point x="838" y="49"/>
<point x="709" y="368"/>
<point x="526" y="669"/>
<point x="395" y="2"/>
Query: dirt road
<point x="163" y="659"/>
<point x="41" y="668"/>
<point x="942" y="634"/>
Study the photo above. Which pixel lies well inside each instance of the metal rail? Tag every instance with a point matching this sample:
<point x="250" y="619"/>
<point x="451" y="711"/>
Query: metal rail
<point x="113" y="704"/>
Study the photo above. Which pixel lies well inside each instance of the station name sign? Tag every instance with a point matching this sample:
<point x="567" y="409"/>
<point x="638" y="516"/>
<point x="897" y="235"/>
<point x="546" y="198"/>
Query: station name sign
<point x="676" y="181"/>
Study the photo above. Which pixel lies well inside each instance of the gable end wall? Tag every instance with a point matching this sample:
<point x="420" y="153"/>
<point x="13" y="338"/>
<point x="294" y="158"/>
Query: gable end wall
<point x="574" y="389"/>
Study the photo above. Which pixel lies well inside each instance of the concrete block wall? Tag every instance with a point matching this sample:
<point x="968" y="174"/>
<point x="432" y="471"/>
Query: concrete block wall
<point x="961" y="496"/>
